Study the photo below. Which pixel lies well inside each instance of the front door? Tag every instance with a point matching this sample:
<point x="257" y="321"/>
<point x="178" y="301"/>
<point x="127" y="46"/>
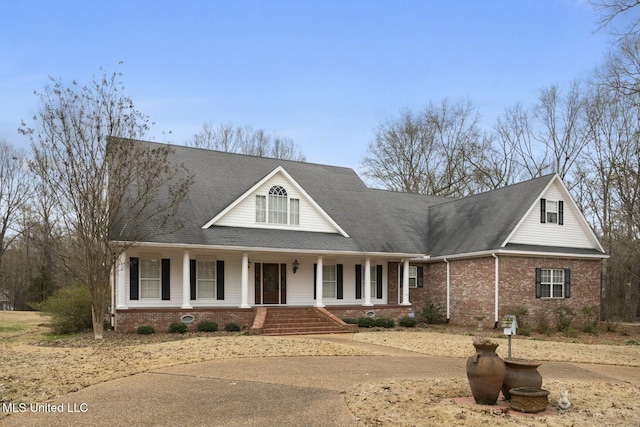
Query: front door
<point x="271" y="283"/>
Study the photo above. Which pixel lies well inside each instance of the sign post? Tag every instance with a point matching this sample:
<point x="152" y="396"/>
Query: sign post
<point x="509" y="325"/>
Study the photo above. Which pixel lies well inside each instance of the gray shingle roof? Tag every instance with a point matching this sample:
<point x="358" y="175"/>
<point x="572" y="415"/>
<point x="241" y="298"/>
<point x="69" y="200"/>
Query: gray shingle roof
<point x="483" y="221"/>
<point x="377" y="221"/>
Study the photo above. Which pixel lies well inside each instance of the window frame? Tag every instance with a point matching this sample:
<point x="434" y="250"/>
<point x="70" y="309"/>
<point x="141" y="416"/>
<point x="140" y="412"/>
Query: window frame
<point x="552" y="214"/>
<point x="277" y="208"/>
<point x="552" y="286"/>
<point x="294" y="211"/>
<point x="413" y="275"/>
<point x="261" y="208"/>
<point x="145" y="283"/>
<point x="329" y="285"/>
<point x="201" y="281"/>
<point x="277" y="205"/>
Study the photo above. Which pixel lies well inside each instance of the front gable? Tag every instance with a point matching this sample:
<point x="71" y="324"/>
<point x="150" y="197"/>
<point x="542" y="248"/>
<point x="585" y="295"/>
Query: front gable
<point x="277" y="202"/>
<point x="554" y="219"/>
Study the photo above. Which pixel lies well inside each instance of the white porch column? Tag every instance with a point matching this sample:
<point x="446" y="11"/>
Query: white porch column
<point x="121" y="287"/>
<point x="319" y="278"/>
<point x="244" y="282"/>
<point x="186" y="281"/>
<point x="405" y="283"/>
<point x="367" y="283"/>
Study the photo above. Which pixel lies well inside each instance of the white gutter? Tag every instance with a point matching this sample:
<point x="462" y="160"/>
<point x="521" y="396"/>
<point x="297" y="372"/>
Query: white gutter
<point x="496" y="275"/>
<point x="411" y="256"/>
<point x="519" y="253"/>
<point x="448" y="290"/>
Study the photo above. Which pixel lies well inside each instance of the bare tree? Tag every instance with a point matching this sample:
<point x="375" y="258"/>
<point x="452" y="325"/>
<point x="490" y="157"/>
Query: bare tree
<point x="621" y="70"/>
<point x="563" y="131"/>
<point x="621" y="18"/>
<point x="15" y="192"/>
<point x="610" y="11"/>
<point x="246" y="140"/>
<point x="516" y="141"/>
<point x="430" y="153"/>
<point x="609" y="192"/>
<point x="100" y="184"/>
<point x="223" y="138"/>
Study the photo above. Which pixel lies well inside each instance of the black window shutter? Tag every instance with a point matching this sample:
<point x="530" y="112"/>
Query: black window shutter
<point x="192" y="278"/>
<point x="358" y="281"/>
<point x="134" y="278"/>
<point x="567" y="283"/>
<point x="378" y="281"/>
<point x="339" y="284"/>
<point x="401" y="268"/>
<point x="220" y="280"/>
<point x="538" y="282"/>
<point x="258" y="288"/>
<point x="166" y="279"/>
<point x="560" y="212"/>
<point x="315" y="279"/>
<point x="283" y="283"/>
<point x="543" y="210"/>
<point x="420" y="279"/>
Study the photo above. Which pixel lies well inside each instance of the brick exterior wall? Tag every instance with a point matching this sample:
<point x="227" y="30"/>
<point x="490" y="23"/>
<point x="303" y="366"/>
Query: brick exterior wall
<point x="472" y="287"/>
<point x="394" y="312"/>
<point x="435" y="285"/>
<point x="160" y="319"/>
<point x="517" y="285"/>
<point x="392" y="283"/>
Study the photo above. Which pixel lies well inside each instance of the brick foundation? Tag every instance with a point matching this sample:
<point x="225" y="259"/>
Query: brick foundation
<point x="394" y="312"/>
<point x="160" y="319"/>
<point x="129" y="320"/>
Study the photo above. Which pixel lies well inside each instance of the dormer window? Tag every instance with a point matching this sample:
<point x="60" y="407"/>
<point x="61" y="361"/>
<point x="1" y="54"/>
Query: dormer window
<point x="277" y="208"/>
<point x="277" y="205"/>
<point x="552" y="211"/>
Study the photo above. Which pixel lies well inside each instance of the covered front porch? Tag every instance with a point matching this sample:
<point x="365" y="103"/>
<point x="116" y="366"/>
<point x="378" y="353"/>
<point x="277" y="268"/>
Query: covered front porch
<point x="167" y="283"/>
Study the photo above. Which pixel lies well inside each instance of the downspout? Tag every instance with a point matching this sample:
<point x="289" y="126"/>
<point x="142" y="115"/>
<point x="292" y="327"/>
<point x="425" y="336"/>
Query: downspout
<point x="496" y="274"/>
<point x="448" y="290"/>
<point x="112" y="308"/>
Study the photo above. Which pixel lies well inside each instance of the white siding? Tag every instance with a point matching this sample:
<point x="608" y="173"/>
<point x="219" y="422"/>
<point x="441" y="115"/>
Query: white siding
<point x="571" y="234"/>
<point x="244" y="214"/>
<point x="299" y="285"/>
<point x="232" y="282"/>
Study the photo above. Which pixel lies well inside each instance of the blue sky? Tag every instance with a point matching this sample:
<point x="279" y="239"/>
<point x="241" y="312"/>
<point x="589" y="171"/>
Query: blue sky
<point x="324" y="73"/>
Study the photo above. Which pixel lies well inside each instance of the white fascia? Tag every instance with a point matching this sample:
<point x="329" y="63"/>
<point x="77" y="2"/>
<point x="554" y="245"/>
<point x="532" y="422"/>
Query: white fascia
<point x="253" y="249"/>
<point x="518" y="253"/>
<point x="584" y="224"/>
<point x="293" y="182"/>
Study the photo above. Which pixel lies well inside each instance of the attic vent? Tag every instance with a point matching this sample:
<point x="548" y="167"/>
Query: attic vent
<point x="188" y="318"/>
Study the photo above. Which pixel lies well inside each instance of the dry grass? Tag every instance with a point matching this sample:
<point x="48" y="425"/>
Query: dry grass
<point x="37" y="367"/>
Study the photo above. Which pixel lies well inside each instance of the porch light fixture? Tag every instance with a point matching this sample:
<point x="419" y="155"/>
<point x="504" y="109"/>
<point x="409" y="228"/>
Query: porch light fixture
<point x="295" y="266"/>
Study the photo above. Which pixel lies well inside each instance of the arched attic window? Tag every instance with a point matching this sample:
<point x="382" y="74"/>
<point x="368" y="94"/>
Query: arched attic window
<point x="277" y="207"/>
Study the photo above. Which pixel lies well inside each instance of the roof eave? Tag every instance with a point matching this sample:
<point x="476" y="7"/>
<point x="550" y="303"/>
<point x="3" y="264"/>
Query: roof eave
<point x="512" y="252"/>
<point x="255" y="249"/>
